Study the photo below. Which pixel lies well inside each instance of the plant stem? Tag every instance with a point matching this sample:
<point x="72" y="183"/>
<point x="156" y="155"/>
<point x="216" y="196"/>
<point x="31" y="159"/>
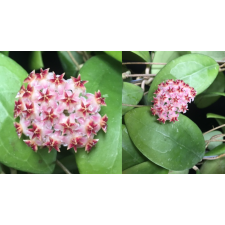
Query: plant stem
<point x="220" y="70"/>
<point x="195" y="168"/>
<point x="86" y="55"/>
<point x="213" y="157"/>
<point x="214" y="129"/>
<point x="62" y="167"/>
<point x="222" y="65"/>
<point x="75" y="62"/>
<point x="143" y="85"/>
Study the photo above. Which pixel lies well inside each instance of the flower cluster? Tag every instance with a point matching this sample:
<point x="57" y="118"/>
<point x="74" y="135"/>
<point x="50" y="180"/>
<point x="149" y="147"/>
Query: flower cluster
<point x="54" y="112"/>
<point x="171" y="98"/>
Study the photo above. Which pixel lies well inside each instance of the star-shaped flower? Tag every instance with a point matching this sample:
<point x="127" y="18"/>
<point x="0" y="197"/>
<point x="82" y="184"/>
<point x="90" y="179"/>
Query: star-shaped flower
<point x="84" y="109"/>
<point x="28" y="92"/>
<point x="57" y="80"/>
<point x="99" y="99"/>
<point x="29" y="109"/>
<point x="103" y="123"/>
<point x="68" y="126"/>
<point x="36" y="132"/>
<point x="90" y="128"/>
<point x="52" y="144"/>
<point x="42" y="75"/>
<point x="18" y="108"/>
<point x="78" y="83"/>
<point x="31" y="143"/>
<point x="50" y="116"/>
<point x="76" y="141"/>
<point x="69" y="100"/>
<point x="45" y="97"/>
<point x="91" y="142"/>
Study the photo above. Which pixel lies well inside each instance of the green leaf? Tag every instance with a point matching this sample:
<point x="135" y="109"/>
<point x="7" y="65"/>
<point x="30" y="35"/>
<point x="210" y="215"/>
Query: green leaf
<point x="13" y="151"/>
<point x="216" y="55"/>
<point x="179" y="172"/>
<point x="213" y="166"/>
<point x="115" y="54"/>
<point x="220" y="119"/>
<point x="35" y="60"/>
<point x="174" y="146"/>
<point x="144" y="55"/>
<point x="104" y="74"/>
<point x="136" y="56"/>
<point x="164" y="57"/>
<point x="219" y="150"/>
<point x="131" y="95"/>
<point x="131" y="155"/>
<point x="203" y="100"/>
<point x="70" y="66"/>
<point x="69" y="162"/>
<point x="146" y="168"/>
<point x="199" y="71"/>
<point x="212" y="144"/>
<point x="212" y="115"/>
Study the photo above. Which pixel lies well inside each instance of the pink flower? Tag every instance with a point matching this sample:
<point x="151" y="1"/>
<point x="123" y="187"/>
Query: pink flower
<point x="54" y="112"/>
<point x="171" y="98"/>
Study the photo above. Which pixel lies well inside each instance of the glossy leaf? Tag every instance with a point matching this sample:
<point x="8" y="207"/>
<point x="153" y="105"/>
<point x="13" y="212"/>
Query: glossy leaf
<point x="131" y="95"/>
<point x="219" y="150"/>
<point x="68" y="64"/>
<point x="199" y="71"/>
<point x="115" y="54"/>
<point x="168" y="145"/>
<point x="216" y="166"/>
<point x="13" y="151"/>
<point x="203" y="100"/>
<point x="220" y="119"/>
<point x="104" y="74"/>
<point x="146" y="168"/>
<point x="179" y="172"/>
<point x="136" y="56"/>
<point x="164" y="57"/>
<point x="131" y="155"/>
<point x="216" y="55"/>
<point x="214" y="144"/>
<point x="35" y="60"/>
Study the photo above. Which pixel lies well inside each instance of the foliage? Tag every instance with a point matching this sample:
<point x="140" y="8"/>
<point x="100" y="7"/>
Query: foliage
<point x="180" y="146"/>
<point x="103" y="73"/>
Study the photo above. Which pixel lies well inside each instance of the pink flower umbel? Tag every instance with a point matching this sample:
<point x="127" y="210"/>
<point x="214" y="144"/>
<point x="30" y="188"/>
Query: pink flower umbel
<point x="54" y="112"/>
<point x="171" y="98"/>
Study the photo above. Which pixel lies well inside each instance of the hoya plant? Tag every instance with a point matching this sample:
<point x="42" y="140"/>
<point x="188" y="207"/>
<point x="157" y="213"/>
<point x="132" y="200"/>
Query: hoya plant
<point x="167" y="100"/>
<point x="60" y="112"/>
